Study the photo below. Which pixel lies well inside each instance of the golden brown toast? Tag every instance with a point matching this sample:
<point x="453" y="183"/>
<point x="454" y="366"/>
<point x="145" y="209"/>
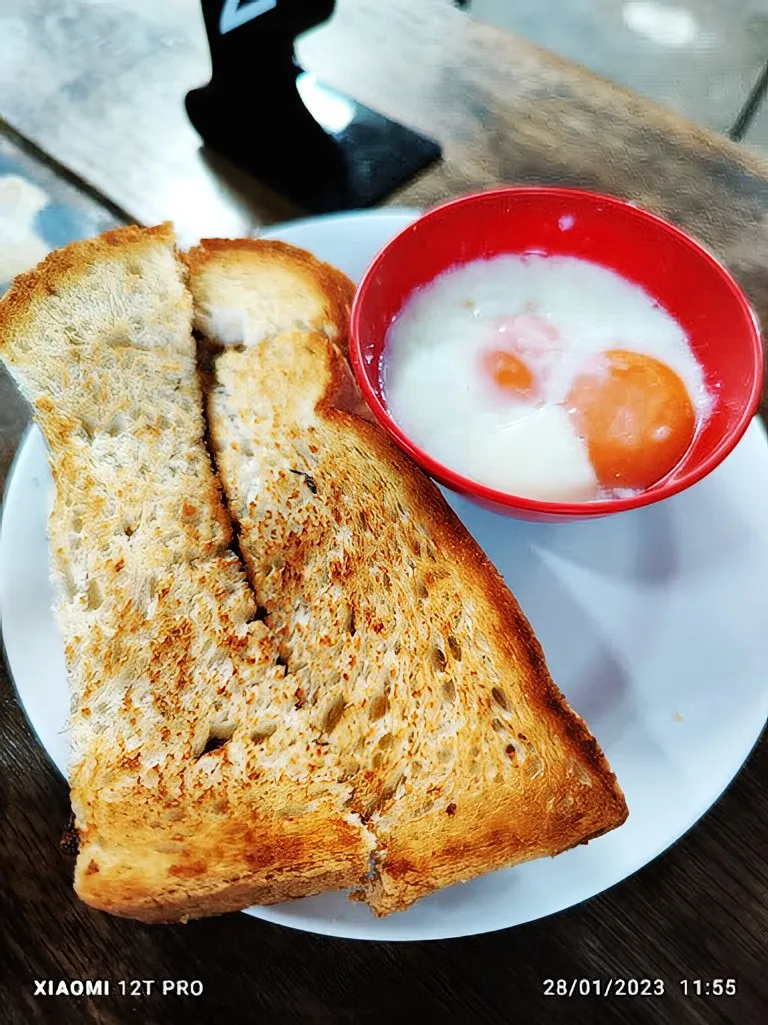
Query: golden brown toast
<point x="255" y="715"/>
<point x="409" y="653"/>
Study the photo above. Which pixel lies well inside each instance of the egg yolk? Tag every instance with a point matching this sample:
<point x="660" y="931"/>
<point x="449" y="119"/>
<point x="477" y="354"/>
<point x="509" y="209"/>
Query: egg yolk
<point x="510" y="373"/>
<point x="636" y="417"/>
<point x="504" y="364"/>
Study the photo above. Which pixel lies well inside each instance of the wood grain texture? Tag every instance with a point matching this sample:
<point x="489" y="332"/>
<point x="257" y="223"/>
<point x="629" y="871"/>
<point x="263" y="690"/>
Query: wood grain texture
<point x="105" y="99"/>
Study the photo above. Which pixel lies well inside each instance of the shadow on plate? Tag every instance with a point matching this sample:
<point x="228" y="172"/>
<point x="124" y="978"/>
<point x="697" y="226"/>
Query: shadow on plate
<point x="691" y="535"/>
<point x="584" y="663"/>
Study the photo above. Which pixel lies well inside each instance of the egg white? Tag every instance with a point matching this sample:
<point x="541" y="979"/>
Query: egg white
<point x="436" y="389"/>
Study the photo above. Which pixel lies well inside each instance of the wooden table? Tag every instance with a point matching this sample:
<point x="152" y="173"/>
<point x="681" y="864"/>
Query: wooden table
<point x="105" y="102"/>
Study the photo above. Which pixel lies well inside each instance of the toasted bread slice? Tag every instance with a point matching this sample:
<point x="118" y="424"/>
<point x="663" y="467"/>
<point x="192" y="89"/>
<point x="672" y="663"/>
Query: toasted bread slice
<point x="193" y="793"/>
<point x="410" y="657"/>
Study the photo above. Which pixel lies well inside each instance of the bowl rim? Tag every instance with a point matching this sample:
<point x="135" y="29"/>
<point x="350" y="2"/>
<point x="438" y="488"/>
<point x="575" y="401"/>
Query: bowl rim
<point x="665" y="488"/>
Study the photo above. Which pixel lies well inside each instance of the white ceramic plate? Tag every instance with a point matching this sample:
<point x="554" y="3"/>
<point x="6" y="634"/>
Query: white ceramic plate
<point x="654" y="624"/>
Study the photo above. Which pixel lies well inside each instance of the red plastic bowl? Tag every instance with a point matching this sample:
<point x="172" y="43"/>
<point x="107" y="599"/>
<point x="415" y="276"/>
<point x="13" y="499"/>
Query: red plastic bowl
<point x="682" y="276"/>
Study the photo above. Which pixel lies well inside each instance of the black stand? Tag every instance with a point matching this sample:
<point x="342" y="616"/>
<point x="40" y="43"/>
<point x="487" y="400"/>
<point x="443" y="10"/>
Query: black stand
<point x="264" y="113"/>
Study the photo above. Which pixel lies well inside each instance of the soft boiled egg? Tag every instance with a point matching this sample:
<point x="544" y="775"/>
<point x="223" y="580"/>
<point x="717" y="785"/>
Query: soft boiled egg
<point x="550" y="378"/>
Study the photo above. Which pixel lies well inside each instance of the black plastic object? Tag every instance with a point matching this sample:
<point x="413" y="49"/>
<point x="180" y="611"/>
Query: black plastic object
<point x="263" y="112"/>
